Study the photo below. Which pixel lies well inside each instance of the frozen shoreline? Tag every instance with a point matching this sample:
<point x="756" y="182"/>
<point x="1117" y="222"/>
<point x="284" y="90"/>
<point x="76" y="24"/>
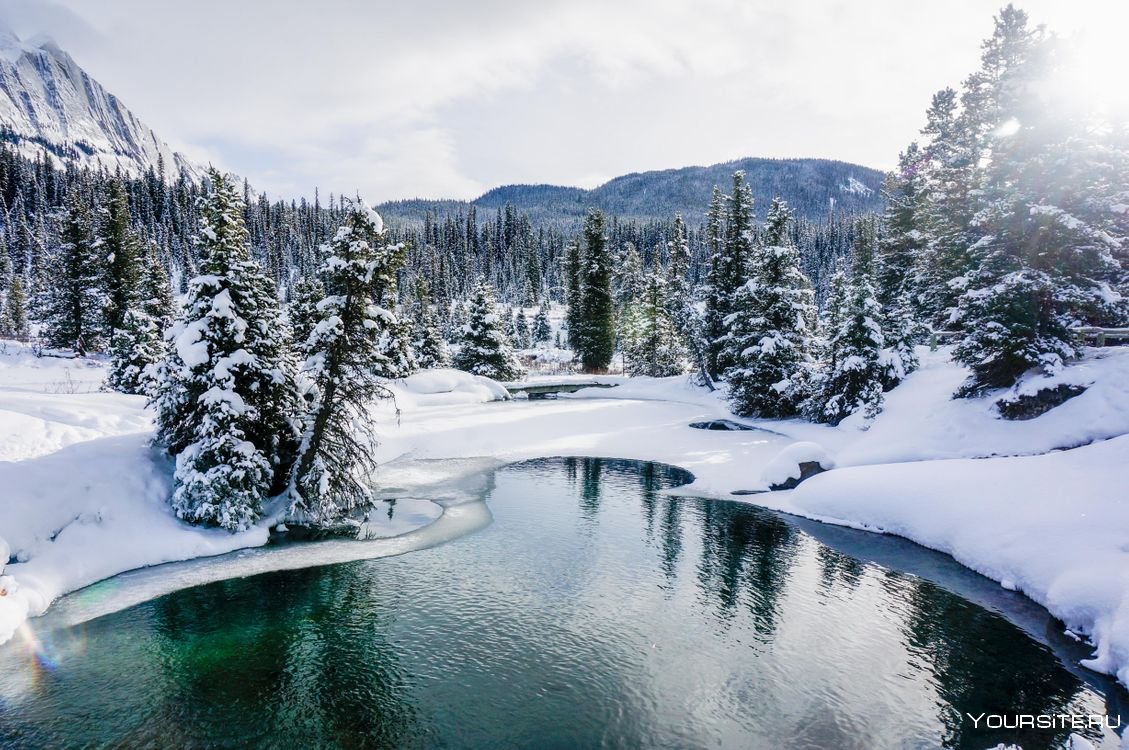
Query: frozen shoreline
<point x="90" y="502"/>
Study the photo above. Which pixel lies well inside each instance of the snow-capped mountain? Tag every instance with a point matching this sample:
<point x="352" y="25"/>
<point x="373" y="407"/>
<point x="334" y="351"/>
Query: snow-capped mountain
<point x="47" y="102"/>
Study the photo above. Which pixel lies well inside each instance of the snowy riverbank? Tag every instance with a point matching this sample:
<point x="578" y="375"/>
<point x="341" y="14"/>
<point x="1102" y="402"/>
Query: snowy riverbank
<point x="84" y="498"/>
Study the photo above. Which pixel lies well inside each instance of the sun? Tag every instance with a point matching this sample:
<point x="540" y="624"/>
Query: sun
<point x="1092" y="74"/>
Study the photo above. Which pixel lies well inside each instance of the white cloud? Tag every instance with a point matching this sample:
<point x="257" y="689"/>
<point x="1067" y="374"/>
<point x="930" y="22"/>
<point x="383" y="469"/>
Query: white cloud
<point x="442" y="98"/>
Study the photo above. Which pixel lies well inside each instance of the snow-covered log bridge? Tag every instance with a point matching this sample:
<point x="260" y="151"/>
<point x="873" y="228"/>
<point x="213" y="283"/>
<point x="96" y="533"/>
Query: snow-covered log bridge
<point x="547" y="388"/>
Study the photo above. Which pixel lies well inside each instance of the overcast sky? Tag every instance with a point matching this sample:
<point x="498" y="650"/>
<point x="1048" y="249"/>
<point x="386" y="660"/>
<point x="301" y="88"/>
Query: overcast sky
<point x="440" y="98"/>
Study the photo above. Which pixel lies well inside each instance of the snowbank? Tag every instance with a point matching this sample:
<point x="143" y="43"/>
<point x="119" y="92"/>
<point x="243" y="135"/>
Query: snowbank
<point x="444" y="387"/>
<point x="88" y="512"/>
<point x="921" y="420"/>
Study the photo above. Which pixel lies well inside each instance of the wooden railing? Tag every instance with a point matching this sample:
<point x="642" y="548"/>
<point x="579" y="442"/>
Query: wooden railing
<point x="1100" y="336"/>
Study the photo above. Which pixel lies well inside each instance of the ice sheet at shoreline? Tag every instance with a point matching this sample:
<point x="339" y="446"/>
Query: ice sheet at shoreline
<point x="453" y="510"/>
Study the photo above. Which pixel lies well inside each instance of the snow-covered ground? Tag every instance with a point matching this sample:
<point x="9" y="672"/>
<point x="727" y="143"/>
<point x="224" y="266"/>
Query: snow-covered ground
<point x="84" y="497"/>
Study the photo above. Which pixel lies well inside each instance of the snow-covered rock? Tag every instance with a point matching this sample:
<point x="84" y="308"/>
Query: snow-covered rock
<point x="796" y="463"/>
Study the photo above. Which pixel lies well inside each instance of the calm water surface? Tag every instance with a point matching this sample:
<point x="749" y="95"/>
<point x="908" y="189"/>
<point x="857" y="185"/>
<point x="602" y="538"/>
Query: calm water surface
<point x="595" y="611"/>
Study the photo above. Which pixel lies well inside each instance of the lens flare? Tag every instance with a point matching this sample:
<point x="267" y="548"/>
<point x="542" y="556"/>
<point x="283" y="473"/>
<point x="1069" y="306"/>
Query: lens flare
<point x="46" y="650"/>
<point x="1094" y="68"/>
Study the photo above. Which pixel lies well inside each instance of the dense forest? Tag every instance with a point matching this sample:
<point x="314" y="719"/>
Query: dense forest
<point x="450" y="244"/>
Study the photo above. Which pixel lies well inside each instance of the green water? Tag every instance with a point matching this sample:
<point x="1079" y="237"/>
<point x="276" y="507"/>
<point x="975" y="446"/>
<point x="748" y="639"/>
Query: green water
<point x="595" y="611"/>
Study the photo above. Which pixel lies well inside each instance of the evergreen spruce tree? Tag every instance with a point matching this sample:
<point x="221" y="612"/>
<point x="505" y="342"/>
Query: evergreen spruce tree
<point x="715" y="295"/>
<point x="680" y="301"/>
<point x="542" y="330"/>
<point x="302" y="311"/>
<point x="121" y="248"/>
<point x="729" y="269"/>
<point x="430" y="348"/>
<point x="903" y="332"/>
<point x="652" y="345"/>
<point x="574" y="299"/>
<point x="5" y="278"/>
<point x="823" y="355"/>
<point x="528" y="293"/>
<point x="1044" y="258"/>
<point x="13" y="320"/>
<point x="902" y="241"/>
<point x="522" y="338"/>
<point x="485" y="349"/>
<point x="138" y="346"/>
<point x="225" y="398"/>
<point x="628" y="280"/>
<point x="74" y="302"/>
<point x="771" y="327"/>
<point x="853" y="381"/>
<point x="946" y="192"/>
<point x="597" y="303"/>
<point x="458" y="320"/>
<point x="345" y="355"/>
<point x="900" y="253"/>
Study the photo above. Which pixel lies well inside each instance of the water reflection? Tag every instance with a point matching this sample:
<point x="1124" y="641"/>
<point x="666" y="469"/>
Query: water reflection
<point x="979" y="666"/>
<point x="598" y="609"/>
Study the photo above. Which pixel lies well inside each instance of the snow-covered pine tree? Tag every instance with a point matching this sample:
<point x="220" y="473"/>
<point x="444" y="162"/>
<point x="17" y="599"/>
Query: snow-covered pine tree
<point x="903" y="332"/>
<point x="771" y="327"/>
<point x="627" y="279"/>
<point x="853" y="380"/>
<point x="346" y="356"/>
<point x="902" y="242"/>
<point x="5" y="279"/>
<point x="457" y="320"/>
<point x="574" y="298"/>
<point x="900" y="253"/>
<point x="522" y="338"/>
<point x="13" y="318"/>
<point x="947" y="189"/>
<point x="485" y="349"/>
<point x="138" y="346"/>
<point x="687" y="320"/>
<point x="830" y="320"/>
<point x="225" y="395"/>
<point x="1044" y="258"/>
<point x="729" y="269"/>
<point x="652" y="345"/>
<point x="713" y="319"/>
<point x="119" y="245"/>
<point x="528" y="293"/>
<point x="597" y="302"/>
<point x="74" y="301"/>
<point x="628" y="282"/>
<point x="430" y="348"/>
<point x="302" y="311"/>
<point x="542" y="330"/>
<point x="397" y="357"/>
